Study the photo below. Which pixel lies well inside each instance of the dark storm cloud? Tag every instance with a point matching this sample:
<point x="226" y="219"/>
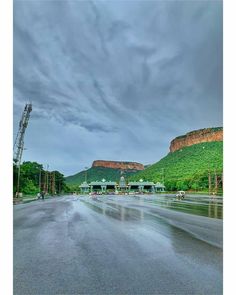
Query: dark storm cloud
<point x="119" y="79"/>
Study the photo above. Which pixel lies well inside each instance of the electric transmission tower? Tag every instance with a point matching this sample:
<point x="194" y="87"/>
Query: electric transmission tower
<point x="19" y="142"/>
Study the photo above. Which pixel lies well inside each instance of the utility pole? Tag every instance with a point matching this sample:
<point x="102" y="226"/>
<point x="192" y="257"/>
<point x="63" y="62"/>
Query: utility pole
<point x="44" y="181"/>
<point x="40" y="176"/>
<point x="49" y="182"/>
<point x="163" y="176"/>
<point x="59" y="187"/>
<point x="53" y="183"/>
<point x="209" y="182"/>
<point x="19" y="142"/>
<point x="47" y="178"/>
<point x="216" y="182"/>
<point x="46" y="185"/>
<point x="222" y="181"/>
<point x="86" y="175"/>
<point x="18" y="182"/>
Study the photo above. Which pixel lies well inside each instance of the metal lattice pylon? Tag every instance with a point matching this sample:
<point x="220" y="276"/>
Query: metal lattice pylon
<point x="19" y="142"/>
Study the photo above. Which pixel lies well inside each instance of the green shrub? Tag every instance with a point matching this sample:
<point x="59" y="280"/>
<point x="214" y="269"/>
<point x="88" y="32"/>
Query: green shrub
<point x="29" y="188"/>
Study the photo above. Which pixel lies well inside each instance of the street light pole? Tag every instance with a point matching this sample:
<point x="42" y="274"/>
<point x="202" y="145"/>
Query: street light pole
<point x="209" y="181"/>
<point x="163" y="175"/>
<point x="86" y="173"/>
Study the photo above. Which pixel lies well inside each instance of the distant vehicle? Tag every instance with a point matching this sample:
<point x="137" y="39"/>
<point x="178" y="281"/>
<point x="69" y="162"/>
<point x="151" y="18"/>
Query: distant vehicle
<point x="180" y="194"/>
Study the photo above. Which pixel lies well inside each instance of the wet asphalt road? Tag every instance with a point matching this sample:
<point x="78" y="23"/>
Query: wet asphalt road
<point x="114" y="245"/>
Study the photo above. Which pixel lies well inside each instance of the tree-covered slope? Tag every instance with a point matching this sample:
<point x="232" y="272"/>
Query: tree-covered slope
<point x="186" y="168"/>
<point x="96" y="173"/>
<point x="33" y="179"/>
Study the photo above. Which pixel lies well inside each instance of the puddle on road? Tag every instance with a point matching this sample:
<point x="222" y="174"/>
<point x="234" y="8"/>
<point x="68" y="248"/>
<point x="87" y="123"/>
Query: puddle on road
<point x="147" y="219"/>
<point x="197" y="205"/>
<point x="208" y="207"/>
<point x="122" y="213"/>
<point x="114" y="210"/>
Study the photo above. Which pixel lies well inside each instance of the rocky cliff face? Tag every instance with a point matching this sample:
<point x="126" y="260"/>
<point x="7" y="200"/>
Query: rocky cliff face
<point x="197" y="136"/>
<point x="118" y="165"/>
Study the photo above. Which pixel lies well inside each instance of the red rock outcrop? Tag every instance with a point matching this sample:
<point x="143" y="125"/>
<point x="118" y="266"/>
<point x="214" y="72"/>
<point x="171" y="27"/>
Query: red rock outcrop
<point x="118" y="165"/>
<point x="197" y="136"/>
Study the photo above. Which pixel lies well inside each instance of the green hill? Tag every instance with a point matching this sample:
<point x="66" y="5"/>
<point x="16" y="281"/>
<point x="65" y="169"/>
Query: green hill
<point x="186" y="168"/>
<point x="97" y="173"/>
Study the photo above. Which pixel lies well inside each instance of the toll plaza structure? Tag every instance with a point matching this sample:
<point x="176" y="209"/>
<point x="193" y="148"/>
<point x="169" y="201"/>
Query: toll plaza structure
<point x="159" y="187"/>
<point x="141" y="186"/>
<point x="84" y="187"/>
<point x="103" y="186"/>
<point x="123" y="187"/>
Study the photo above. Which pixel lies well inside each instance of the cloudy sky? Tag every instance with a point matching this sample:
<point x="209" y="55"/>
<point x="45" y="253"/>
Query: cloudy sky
<point x="115" y="80"/>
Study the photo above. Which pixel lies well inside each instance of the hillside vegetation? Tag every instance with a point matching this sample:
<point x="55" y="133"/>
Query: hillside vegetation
<point x="96" y="173"/>
<point x="186" y="168"/>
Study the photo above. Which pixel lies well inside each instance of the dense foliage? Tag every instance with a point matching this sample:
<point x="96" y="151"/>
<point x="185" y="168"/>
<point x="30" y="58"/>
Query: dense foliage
<point x="33" y="179"/>
<point x="187" y="168"/>
<point x="96" y="173"/>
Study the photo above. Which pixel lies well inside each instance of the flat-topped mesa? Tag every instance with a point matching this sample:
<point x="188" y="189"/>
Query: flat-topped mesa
<point x="118" y="165"/>
<point x="197" y="136"/>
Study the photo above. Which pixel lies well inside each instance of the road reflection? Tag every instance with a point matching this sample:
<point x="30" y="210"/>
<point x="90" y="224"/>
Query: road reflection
<point x="115" y="207"/>
<point x="198" y="205"/>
